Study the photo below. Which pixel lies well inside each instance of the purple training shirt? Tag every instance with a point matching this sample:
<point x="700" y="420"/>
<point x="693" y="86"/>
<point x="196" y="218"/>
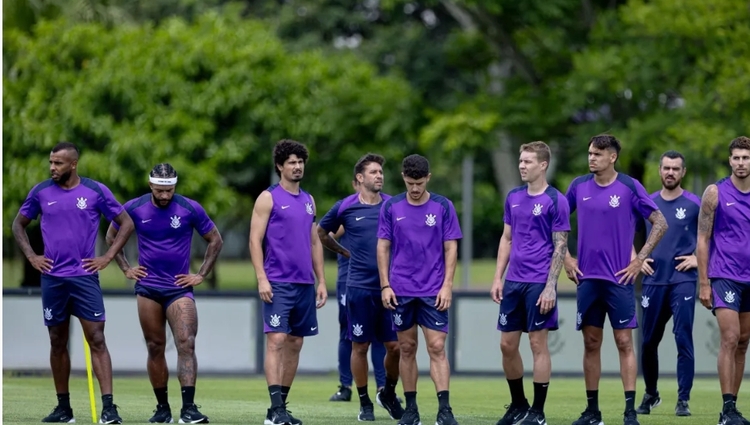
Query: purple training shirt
<point x="729" y="256"/>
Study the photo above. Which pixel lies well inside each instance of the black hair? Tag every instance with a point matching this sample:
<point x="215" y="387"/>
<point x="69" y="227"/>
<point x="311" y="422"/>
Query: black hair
<point x="415" y="167"/>
<point x="363" y="162"/>
<point x="66" y="146"/>
<point x="284" y="149"/>
<point x="606" y="141"/>
<point x="672" y="155"/>
<point x="163" y="170"/>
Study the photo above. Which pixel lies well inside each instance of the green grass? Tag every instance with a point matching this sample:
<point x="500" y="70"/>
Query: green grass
<point x="240" y="275"/>
<point x="475" y="401"/>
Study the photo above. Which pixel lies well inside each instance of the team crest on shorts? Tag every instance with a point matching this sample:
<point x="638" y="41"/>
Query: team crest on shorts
<point x="357" y="329"/>
<point x="729" y="297"/>
<point x="503" y="319"/>
<point x="175" y="222"/>
<point x="275" y="320"/>
<point x="397" y="320"/>
<point x="48" y="313"/>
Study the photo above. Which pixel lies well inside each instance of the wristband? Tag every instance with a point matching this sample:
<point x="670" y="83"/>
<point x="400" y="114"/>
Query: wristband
<point x="385" y="287"/>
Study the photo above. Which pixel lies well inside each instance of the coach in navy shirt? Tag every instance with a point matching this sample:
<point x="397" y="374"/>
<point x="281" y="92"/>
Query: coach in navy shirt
<point x="669" y="285"/>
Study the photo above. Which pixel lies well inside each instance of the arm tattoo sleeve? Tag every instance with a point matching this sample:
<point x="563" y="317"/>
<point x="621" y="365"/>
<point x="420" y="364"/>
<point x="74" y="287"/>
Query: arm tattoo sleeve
<point x="560" y="241"/>
<point x="658" y="228"/>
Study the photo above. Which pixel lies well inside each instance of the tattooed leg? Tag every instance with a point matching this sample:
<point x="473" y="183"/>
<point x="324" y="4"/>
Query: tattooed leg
<point x="183" y="319"/>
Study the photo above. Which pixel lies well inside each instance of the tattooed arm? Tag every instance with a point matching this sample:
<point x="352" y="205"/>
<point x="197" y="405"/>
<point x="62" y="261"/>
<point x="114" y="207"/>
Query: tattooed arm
<point x="331" y="243"/>
<point x="705" y="230"/>
<point x="215" y="242"/>
<point x="658" y="228"/>
<point x="560" y="242"/>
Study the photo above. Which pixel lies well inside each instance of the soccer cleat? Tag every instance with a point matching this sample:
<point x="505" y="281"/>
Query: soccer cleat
<point x="292" y="419"/>
<point x="514" y="414"/>
<point x="277" y="415"/>
<point x="445" y="417"/>
<point x="730" y="416"/>
<point x="162" y="415"/>
<point x="630" y="417"/>
<point x="742" y="418"/>
<point x="649" y="402"/>
<point x="534" y="417"/>
<point x="590" y="417"/>
<point x="366" y="413"/>
<point x="343" y="394"/>
<point x="682" y="409"/>
<point x="191" y="415"/>
<point x="60" y="415"/>
<point x="110" y="416"/>
<point x="410" y="417"/>
<point x="392" y="404"/>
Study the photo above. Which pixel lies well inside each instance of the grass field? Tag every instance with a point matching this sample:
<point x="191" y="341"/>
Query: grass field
<point x="240" y="275"/>
<point x="475" y="401"/>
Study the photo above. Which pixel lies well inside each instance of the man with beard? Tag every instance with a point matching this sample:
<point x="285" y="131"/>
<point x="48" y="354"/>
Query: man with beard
<point x="608" y="205"/>
<point x="369" y="321"/>
<point x="164" y="222"/>
<point x="417" y="250"/>
<point x="724" y="271"/>
<point x="70" y="208"/>
<point x="287" y="257"/>
<point x="670" y="276"/>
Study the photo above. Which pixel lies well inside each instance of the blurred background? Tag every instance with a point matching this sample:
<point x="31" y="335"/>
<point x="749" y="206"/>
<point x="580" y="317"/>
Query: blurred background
<point x="211" y="85"/>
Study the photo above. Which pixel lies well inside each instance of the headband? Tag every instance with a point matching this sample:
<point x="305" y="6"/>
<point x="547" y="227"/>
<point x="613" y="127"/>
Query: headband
<point x="163" y="181"/>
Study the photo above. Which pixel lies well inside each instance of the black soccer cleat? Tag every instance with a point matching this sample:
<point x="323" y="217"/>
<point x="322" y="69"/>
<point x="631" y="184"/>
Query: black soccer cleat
<point x="730" y="416"/>
<point x="630" y="417"/>
<point x="410" y="417"/>
<point x="60" y="415"/>
<point x="191" y="415"/>
<point x="649" y="402"/>
<point x="366" y="413"/>
<point x="277" y="415"/>
<point x="445" y="417"/>
<point x="590" y="417"/>
<point x="392" y="404"/>
<point x="343" y="394"/>
<point x="682" y="409"/>
<point x="292" y="419"/>
<point x="162" y="415"/>
<point x="534" y="417"/>
<point x="514" y="414"/>
<point x="110" y="416"/>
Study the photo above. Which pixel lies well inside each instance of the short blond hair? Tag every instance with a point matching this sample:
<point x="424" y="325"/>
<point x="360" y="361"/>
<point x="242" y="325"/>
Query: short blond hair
<point x="541" y="149"/>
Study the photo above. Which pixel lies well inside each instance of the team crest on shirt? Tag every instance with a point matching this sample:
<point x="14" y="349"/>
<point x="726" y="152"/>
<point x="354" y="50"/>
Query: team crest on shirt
<point x="644" y="302"/>
<point x="175" y="222"/>
<point x="81" y="203"/>
<point x="275" y="320"/>
<point x="680" y="214"/>
<point x="729" y="296"/>
<point x="48" y="313"/>
<point x="614" y="201"/>
<point x="430" y="220"/>
<point x="503" y="319"/>
<point x="308" y="208"/>
<point x="397" y="320"/>
<point x="357" y="329"/>
<point x="537" y="209"/>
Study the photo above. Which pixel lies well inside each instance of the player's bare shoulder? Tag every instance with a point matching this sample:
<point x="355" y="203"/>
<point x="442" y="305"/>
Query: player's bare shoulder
<point x="264" y="202"/>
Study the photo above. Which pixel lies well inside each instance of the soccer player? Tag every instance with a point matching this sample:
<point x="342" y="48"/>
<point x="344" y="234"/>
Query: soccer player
<point x="533" y="247"/>
<point x="164" y="222"/>
<point x="669" y="285"/>
<point x="724" y="271"/>
<point x="377" y="349"/>
<point x="70" y="207"/>
<point x="608" y="203"/>
<point x="287" y="257"/>
<point x="368" y="319"/>
<point x="418" y="235"/>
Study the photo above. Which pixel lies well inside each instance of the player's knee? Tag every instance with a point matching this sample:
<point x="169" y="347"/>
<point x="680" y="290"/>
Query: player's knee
<point x="155" y="348"/>
<point x="730" y="340"/>
<point x="508" y="346"/>
<point x="624" y="342"/>
<point x="96" y="340"/>
<point x="408" y="348"/>
<point x="392" y="348"/>
<point x="360" y="348"/>
<point x="436" y="347"/>
<point x="58" y="342"/>
<point x="294" y="344"/>
<point x="275" y="342"/>
<point x="538" y="343"/>
<point x="186" y="344"/>
<point x="592" y="342"/>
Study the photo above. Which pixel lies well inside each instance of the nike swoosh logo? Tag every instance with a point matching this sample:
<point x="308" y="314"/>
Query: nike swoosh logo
<point x="687" y="298"/>
<point x="587" y="198"/>
<point x="312" y="329"/>
<point x="439" y="323"/>
<point x="145" y="221"/>
<point x="50" y="203"/>
<point x="729" y="204"/>
<point x="283" y="207"/>
<point x="359" y="218"/>
<point x="513" y="206"/>
<point x="400" y="218"/>
<point x="623" y="321"/>
<point x="97" y="314"/>
<point x="537" y="324"/>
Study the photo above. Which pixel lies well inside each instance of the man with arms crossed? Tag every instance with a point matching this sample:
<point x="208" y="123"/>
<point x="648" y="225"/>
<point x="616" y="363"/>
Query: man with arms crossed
<point x="368" y="320"/>
<point x="418" y="234"/>
<point x="287" y="257"/>
<point x="609" y="204"/>
<point x="669" y="285"/>
<point x="70" y="208"/>
<point x="533" y="247"/>
<point x="724" y="271"/>
<point x="164" y="222"/>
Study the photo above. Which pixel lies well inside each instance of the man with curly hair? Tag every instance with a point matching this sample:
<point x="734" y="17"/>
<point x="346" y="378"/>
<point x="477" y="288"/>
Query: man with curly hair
<point x="287" y="256"/>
